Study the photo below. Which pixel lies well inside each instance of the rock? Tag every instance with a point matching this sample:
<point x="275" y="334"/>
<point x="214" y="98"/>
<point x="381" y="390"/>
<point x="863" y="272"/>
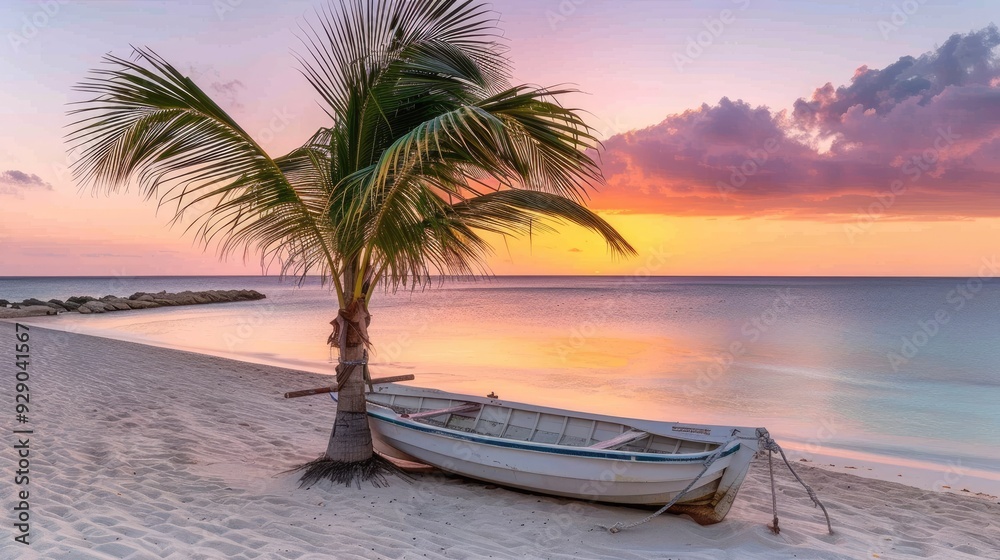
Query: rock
<point x="138" y="300"/>
<point x="118" y="304"/>
<point x="33" y="310"/>
<point x="4" y="303"/>
<point x="94" y="306"/>
<point x="250" y="295"/>
<point x="26" y="311"/>
<point x="141" y="304"/>
<point x="184" y="298"/>
<point x="57" y="305"/>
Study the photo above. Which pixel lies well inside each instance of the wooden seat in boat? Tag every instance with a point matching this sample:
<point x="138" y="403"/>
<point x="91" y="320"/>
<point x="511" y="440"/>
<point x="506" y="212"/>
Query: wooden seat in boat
<point x="468" y="407"/>
<point x="627" y="437"/>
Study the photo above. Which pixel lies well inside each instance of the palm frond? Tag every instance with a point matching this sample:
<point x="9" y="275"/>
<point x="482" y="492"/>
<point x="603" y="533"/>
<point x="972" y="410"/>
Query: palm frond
<point x="428" y="147"/>
<point x="516" y="140"/>
<point x="517" y="212"/>
<point x="150" y="125"/>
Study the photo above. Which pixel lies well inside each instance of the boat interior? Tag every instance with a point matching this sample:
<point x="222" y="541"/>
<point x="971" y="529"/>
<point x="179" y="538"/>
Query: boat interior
<point x="534" y="426"/>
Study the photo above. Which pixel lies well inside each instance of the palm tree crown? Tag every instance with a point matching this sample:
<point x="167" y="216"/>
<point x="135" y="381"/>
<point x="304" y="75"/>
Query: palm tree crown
<point x="427" y="147"/>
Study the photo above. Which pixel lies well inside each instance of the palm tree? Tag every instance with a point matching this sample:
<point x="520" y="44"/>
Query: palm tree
<point x="428" y="146"/>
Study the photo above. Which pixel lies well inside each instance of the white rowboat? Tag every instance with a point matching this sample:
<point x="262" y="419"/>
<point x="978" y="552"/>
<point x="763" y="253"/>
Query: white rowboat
<point x="573" y="454"/>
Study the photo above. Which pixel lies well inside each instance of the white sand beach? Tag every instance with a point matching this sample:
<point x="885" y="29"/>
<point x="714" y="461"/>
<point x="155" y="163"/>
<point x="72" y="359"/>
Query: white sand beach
<point x="143" y="452"/>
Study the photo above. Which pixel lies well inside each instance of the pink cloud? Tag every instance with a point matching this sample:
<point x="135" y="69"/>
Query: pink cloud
<point x="931" y="123"/>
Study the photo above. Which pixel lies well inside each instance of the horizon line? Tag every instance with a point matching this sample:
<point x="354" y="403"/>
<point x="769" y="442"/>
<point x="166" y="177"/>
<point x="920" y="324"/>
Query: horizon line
<point x="486" y="277"/>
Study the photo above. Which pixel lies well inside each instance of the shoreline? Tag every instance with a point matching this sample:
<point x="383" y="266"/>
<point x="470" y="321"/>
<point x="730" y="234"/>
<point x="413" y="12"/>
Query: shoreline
<point x="184" y="456"/>
<point x="950" y="477"/>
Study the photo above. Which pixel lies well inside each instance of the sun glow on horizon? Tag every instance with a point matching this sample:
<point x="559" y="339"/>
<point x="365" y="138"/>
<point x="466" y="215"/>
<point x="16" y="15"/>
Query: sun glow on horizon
<point x="671" y="136"/>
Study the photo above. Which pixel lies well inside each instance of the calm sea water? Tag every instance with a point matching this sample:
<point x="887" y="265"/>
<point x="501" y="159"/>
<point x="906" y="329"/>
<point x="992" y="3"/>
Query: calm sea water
<point x="877" y="373"/>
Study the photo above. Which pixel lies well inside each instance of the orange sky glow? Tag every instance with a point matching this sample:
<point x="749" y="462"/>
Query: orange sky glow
<point x="800" y="141"/>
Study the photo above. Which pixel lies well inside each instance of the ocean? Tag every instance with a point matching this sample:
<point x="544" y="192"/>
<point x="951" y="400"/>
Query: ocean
<point x="884" y="376"/>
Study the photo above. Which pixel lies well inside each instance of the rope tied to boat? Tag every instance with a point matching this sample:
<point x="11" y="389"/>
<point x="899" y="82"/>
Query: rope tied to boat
<point x="765" y="443"/>
<point x="768" y="444"/>
<point x="708" y="463"/>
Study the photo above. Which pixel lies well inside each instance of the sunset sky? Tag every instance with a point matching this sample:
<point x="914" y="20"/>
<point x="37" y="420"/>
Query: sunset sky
<point x="742" y="137"/>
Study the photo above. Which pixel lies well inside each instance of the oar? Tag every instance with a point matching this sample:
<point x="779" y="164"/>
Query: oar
<point x="334" y="388"/>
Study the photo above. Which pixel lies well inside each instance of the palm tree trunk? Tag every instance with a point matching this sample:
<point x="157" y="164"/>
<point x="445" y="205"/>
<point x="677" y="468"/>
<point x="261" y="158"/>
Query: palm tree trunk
<point x="350" y="457"/>
<point x="351" y="438"/>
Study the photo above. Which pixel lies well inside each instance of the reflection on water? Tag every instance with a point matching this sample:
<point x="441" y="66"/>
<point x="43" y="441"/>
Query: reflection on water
<point x="808" y="358"/>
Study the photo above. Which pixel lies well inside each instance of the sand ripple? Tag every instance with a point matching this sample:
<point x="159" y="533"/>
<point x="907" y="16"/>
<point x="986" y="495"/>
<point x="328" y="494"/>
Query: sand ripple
<point x="144" y="452"/>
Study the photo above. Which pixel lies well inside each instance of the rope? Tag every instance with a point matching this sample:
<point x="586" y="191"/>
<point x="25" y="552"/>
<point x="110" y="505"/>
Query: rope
<point x="765" y="444"/>
<point x="367" y="375"/>
<point x="771" y="446"/>
<point x="360" y="362"/>
<point x="774" y="494"/>
<point x="708" y="463"/>
<point x="345" y="373"/>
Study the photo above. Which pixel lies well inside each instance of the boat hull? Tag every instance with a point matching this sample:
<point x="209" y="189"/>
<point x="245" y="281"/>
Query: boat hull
<point x="573" y="472"/>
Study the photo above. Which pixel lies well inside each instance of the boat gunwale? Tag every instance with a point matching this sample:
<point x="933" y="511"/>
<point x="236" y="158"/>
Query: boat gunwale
<point x="651" y="426"/>
<point x="577" y="451"/>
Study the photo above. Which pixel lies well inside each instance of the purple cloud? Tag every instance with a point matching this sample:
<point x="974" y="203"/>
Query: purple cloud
<point x="931" y="124"/>
<point x="14" y="182"/>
